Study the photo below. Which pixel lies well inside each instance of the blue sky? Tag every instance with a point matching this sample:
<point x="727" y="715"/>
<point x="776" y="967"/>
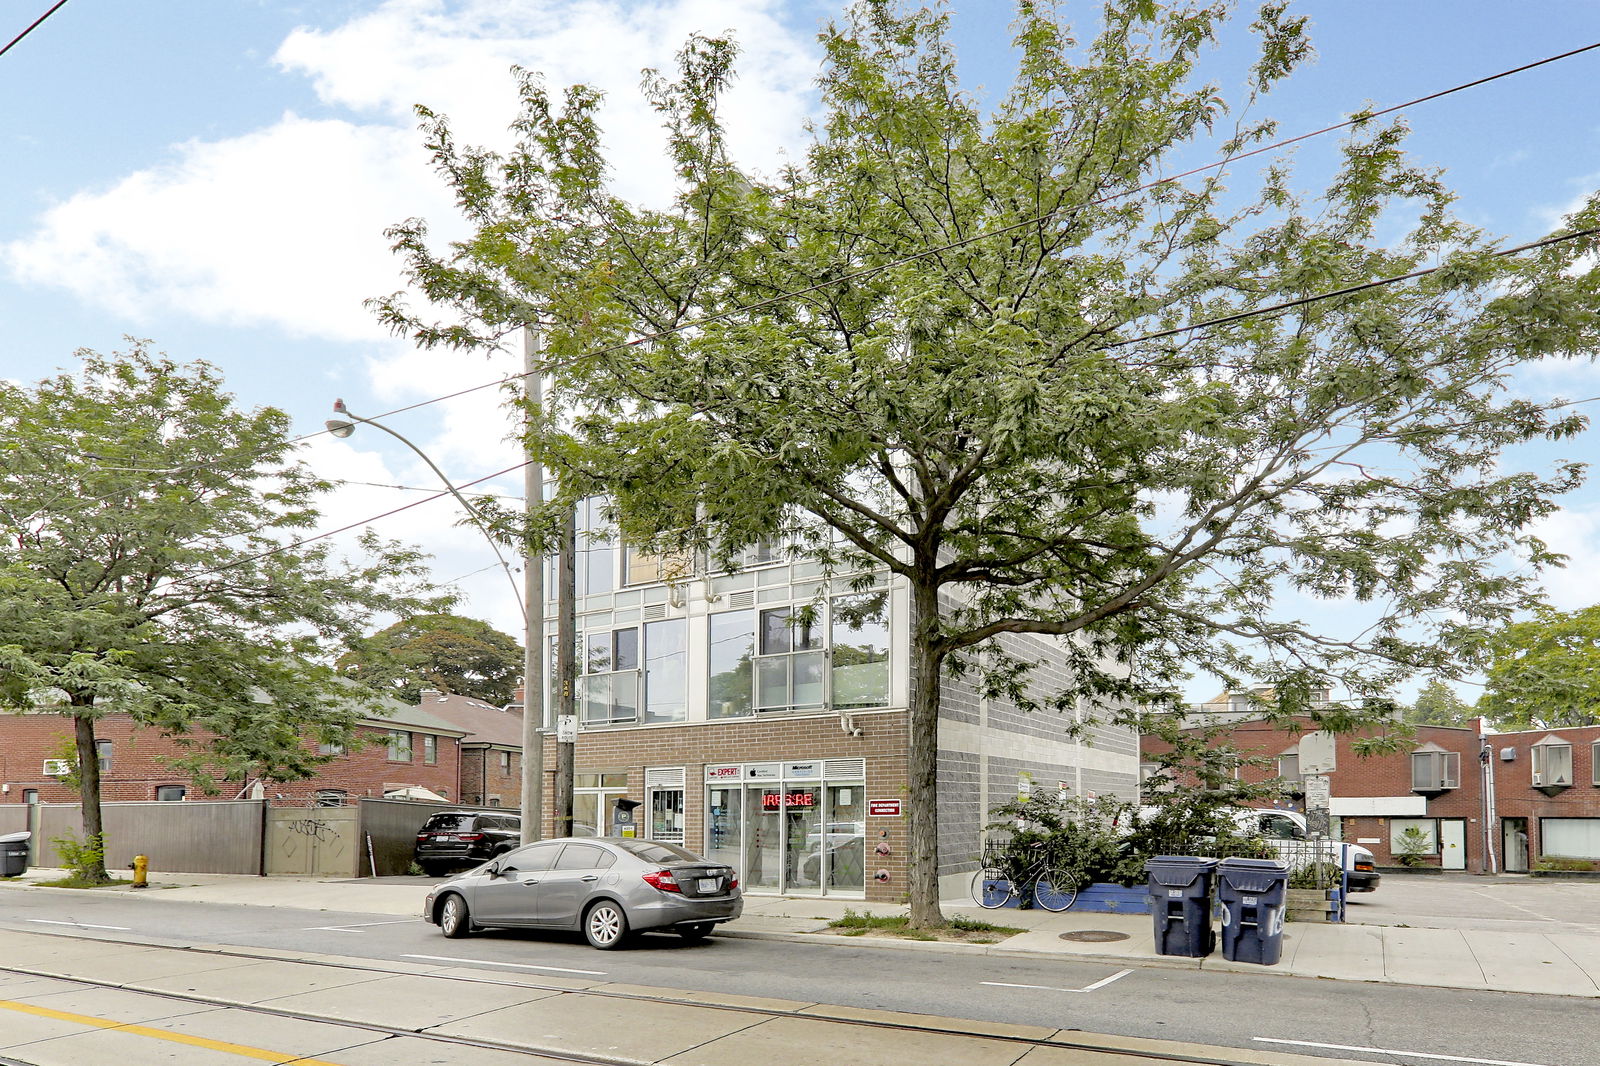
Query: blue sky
<point x="215" y="175"/>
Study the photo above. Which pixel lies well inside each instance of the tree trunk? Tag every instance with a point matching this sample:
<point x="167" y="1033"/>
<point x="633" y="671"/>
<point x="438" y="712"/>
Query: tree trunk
<point x="923" y="760"/>
<point x="89" y="797"/>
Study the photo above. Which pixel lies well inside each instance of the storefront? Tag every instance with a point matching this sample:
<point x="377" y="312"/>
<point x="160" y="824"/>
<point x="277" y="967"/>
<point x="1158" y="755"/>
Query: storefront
<point x="792" y="828"/>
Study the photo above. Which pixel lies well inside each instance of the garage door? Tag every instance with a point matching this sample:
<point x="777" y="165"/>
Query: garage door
<point x="1573" y="838"/>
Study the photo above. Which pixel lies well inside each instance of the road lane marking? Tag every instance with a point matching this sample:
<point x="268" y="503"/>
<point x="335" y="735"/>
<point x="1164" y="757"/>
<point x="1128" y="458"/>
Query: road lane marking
<point x="1392" y="1051"/>
<point x="80" y="925"/>
<point x="165" y="1034"/>
<point x="519" y="965"/>
<point x="356" y="927"/>
<point x="1051" y="988"/>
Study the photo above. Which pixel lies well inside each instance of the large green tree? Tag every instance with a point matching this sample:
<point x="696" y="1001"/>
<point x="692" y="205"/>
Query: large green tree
<point x="1438" y="704"/>
<point x="150" y="566"/>
<point x="950" y="343"/>
<point x="442" y="651"/>
<point x="1545" y="671"/>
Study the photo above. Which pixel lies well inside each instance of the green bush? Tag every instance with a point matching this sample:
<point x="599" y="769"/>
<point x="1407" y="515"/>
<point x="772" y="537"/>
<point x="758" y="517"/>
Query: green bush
<point x="1562" y="864"/>
<point x="1411" y="847"/>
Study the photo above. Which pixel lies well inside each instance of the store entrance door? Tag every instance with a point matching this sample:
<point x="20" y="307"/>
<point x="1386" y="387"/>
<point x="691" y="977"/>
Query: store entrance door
<point x="803" y="839"/>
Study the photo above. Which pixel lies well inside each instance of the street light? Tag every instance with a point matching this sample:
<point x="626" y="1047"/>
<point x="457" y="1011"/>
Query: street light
<point x="341" y="428"/>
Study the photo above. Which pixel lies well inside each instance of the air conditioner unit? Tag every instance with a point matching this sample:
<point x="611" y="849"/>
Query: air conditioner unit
<point x="57" y="767"/>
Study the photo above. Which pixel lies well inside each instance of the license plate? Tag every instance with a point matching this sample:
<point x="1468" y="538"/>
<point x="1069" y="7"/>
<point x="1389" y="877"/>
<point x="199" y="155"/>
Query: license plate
<point x="1248" y="901"/>
<point x="708" y="884"/>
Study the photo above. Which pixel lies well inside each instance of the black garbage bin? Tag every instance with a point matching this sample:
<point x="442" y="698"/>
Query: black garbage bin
<point x="1180" y="902"/>
<point x="14" y="854"/>
<point x="1252" y="893"/>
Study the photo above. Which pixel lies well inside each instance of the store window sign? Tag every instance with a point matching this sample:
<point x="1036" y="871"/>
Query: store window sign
<point x="801" y="771"/>
<point x="724" y="773"/>
<point x="772" y="799"/>
<point x="767" y="771"/>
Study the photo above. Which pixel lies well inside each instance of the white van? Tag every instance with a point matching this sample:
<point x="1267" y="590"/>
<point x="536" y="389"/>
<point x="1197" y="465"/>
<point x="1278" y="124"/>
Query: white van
<point x="1359" y="865"/>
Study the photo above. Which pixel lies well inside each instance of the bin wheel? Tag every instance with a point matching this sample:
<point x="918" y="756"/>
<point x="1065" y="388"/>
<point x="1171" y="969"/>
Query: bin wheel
<point x="992" y="887"/>
<point x="1056" y="890"/>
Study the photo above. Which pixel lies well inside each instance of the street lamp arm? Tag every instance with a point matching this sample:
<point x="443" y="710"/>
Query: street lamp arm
<point x="343" y="429"/>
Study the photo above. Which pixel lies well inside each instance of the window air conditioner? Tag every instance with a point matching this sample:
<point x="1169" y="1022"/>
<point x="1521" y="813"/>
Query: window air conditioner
<point x="57" y="767"/>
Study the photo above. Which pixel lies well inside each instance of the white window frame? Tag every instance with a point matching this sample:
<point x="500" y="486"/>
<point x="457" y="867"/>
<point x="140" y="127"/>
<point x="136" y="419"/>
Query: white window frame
<point x="1289" y="767"/>
<point x="1594" y="762"/>
<point x="430" y="749"/>
<point x="1444" y="770"/>
<point x="789" y="660"/>
<point x="1551" y="750"/>
<point x="590" y="679"/>
<point x="1429" y="826"/>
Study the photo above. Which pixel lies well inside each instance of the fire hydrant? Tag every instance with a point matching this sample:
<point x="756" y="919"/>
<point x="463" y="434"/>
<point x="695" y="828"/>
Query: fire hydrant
<point x="141" y="867"/>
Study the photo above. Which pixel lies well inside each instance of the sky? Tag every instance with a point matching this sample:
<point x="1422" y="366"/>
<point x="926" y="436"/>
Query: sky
<point x="216" y="176"/>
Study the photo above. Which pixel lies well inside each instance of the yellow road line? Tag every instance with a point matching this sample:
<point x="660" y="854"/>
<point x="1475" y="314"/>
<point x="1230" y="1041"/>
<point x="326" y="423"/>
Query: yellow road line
<point x="281" y="1057"/>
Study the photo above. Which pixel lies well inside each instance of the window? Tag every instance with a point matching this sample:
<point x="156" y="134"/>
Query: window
<point x="1434" y="769"/>
<point x="328" y="748"/>
<point x="608" y="688"/>
<point x="1570" y="838"/>
<point x="1552" y="762"/>
<point x="733" y="647"/>
<point x="170" y="793"/>
<point x="584" y="857"/>
<point x="1425" y="841"/>
<point x="789" y="667"/>
<point x="399" y="745"/>
<point x="1289" y="767"/>
<point x="505" y="761"/>
<point x="102" y="749"/>
<point x="642" y="568"/>
<point x="858" y="636"/>
<point x="430" y="748"/>
<point x="593" y="548"/>
<point x="30" y="795"/>
<point x="331" y="797"/>
<point x="666" y="671"/>
<point x="1594" y="762"/>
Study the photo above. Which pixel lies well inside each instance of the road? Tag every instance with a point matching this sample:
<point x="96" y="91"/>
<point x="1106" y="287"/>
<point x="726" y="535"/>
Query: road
<point x="1238" y="1010"/>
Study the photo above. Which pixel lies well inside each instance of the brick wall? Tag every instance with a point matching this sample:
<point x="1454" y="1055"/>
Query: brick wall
<point x="26" y="740"/>
<point x="482" y="779"/>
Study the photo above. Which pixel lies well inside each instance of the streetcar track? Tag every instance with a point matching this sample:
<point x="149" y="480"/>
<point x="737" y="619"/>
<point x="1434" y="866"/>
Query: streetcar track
<point x="762" y="1013"/>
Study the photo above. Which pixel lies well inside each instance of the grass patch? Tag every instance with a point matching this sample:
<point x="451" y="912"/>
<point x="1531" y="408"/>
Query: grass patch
<point x="79" y="882"/>
<point x="957" y="929"/>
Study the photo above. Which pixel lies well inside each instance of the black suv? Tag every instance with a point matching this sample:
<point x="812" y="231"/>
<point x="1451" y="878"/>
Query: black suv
<point x="464" y="838"/>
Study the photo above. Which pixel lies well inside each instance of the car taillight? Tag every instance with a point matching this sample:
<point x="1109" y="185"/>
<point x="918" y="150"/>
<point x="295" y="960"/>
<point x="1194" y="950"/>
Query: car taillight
<point x="663" y="880"/>
<point x="422" y="836"/>
<point x="733" y="883"/>
<point x="469" y="837"/>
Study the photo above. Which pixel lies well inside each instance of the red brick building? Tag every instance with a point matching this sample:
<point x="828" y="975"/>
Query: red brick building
<point x="409" y="750"/>
<point x="1478" y="801"/>
<point x="491" y="747"/>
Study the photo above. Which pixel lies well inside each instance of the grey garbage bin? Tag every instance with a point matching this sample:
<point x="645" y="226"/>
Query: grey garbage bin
<point x="1180" y="902"/>
<point x="1252" y="893"/>
<point x="14" y="854"/>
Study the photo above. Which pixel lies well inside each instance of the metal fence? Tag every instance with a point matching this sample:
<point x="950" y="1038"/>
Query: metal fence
<point x="223" y="837"/>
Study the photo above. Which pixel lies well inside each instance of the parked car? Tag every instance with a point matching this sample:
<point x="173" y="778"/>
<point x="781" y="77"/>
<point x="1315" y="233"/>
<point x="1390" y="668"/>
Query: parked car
<point x="1359" y="864"/>
<point x="450" y="840"/>
<point x="608" y="887"/>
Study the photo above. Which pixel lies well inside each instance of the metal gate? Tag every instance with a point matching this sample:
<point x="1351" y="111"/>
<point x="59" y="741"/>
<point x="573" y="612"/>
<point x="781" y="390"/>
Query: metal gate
<point x="313" y="842"/>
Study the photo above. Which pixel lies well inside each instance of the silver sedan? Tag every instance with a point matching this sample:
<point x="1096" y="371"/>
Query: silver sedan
<point x="608" y="887"/>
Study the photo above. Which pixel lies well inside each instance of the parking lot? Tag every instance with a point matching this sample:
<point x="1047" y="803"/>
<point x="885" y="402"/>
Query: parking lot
<point x="1511" y="903"/>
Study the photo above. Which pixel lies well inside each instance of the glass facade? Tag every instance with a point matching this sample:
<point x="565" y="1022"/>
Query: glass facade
<point x="785" y="831"/>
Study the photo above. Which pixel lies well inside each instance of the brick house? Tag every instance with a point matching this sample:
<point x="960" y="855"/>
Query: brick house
<point x="759" y="718"/>
<point x="1542" y="796"/>
<point x="409" y="750"/>
<point x="491" y="748"/>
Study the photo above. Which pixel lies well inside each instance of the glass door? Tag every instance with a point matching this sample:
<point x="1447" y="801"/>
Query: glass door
<point x="847" y="838"/>
<point x="763" y="851"/>
<point x="724" y="807"/>
<point x="804" y="850"/>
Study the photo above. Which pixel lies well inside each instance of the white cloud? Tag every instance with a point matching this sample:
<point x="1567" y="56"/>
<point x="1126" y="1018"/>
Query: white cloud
<point x="1575" y="533"/>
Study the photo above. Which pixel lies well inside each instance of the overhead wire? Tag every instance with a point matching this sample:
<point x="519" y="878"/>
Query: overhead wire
<point x="35" y="24"/>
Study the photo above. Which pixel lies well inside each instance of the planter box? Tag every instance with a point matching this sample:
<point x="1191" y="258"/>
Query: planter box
<point x="1102" y="898"/>
<point x="1307" y="905"/>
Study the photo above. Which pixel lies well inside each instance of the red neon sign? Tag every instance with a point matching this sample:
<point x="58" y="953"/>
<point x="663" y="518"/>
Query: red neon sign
<point x="772" y="800"/>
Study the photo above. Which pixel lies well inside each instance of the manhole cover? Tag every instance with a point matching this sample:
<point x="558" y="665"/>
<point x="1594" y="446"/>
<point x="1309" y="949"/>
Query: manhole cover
<point x="1094" y="936"/>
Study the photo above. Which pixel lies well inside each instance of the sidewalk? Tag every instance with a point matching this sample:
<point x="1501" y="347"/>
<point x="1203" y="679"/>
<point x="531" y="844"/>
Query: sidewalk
<point x="1543" y="963"/>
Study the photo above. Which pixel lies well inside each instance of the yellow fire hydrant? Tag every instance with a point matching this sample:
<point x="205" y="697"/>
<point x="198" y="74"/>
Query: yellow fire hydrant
<point x="141" y="868"/>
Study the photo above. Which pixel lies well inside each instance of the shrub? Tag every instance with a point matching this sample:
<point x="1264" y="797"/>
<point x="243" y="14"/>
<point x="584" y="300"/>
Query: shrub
<point x="1411" y="847"/>
<point x="1562" y="864"/>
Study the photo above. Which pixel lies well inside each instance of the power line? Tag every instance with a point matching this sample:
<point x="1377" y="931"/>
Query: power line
<point x="35" y="25"/>
<point x="1357" y="119"/>
<point x="1346" y="291"/>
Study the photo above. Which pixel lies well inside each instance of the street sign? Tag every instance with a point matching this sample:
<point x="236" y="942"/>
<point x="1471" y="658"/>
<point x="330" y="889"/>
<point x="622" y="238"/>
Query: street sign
<point x="1317" y="753"/>
<point x="883" y="808"/>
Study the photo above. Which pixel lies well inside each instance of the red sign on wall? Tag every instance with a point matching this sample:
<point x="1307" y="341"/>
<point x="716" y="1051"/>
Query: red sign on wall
<point x="883" y="808"/>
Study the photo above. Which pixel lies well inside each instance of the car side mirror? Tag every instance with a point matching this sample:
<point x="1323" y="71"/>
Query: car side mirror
<point x="493" y="869"/>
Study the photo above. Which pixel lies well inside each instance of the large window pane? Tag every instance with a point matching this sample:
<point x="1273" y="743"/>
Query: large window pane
<point x="666" y="671"/>
<point x="594" y="548"/>
<point x="1572" y="838"/>
<point x="724" y="841"/>
<point x="609" y="698"/>
<point x="772" y="682"/>
<point x="626" y="649"/>
<point x="732" y="649"/>
<point x="808" y="680"/>
<point x="860" y="639"/>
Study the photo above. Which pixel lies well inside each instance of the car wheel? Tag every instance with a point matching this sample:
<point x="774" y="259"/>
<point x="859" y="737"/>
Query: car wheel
<point x="454" y="920"/>
<point x="697" y="931"/>
<point x="605" y="925"/>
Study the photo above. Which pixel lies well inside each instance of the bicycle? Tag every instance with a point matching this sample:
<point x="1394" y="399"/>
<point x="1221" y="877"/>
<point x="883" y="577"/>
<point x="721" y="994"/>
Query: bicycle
<point x="993" y="886"/>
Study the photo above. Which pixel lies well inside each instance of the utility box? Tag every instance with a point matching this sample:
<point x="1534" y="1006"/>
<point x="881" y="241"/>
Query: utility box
<point x="1180" y="902"/>
<point x="1252" y="893"/>
<point x="14" y="854"/>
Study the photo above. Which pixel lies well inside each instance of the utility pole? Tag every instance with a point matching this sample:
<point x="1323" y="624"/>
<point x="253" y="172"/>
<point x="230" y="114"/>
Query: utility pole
<point x="566" y="674"/>
<point x="533" y="658"/>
